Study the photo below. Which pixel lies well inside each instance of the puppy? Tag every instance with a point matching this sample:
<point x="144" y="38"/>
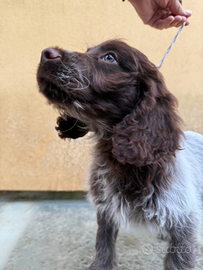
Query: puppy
<point x="145" y="171"/>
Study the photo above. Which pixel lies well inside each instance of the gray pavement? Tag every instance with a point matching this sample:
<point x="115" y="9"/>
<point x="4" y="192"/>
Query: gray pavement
<point x="60" y="234"/>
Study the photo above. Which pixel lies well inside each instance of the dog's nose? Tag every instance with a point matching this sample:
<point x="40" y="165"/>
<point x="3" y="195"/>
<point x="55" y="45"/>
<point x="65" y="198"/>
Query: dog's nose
<point x="50" y="54"/>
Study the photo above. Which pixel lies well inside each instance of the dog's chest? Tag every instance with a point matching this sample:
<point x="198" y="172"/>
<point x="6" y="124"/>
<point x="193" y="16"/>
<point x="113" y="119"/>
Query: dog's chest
<point x="138" y="216"/>
<point x="105" y="193"/>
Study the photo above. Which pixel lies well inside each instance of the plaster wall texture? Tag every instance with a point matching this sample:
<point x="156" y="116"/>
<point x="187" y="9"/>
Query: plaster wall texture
<point x="32" y="157"/>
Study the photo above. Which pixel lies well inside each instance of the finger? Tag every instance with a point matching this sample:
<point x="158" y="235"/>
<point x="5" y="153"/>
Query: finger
<point x="163" y="23"/>
<point x="178" y="21"/>
<point x="169" y="22"/>
<point x="187" y="21"/>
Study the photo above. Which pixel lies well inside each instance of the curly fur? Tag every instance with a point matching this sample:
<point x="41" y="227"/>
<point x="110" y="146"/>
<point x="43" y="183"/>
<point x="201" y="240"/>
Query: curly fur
<point x="145" y="170"/>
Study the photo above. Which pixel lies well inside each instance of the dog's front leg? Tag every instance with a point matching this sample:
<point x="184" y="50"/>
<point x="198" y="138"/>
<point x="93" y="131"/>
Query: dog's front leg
<point x="105" y="244"/>
<point x="181" y="253"/>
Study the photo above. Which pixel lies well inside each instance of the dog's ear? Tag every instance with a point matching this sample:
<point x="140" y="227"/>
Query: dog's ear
<point x="69" y="127"/>
<point x="151" y="132"/>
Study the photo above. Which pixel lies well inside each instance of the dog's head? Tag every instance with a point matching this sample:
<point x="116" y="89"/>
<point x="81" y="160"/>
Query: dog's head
<point x="116" y="92"/>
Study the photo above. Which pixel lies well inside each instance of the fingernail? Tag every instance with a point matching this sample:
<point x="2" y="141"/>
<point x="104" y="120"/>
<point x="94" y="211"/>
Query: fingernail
<point x="188" y="12"/>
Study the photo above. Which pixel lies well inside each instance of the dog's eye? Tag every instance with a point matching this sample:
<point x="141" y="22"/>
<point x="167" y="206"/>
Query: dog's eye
<point x="109" y="58"/>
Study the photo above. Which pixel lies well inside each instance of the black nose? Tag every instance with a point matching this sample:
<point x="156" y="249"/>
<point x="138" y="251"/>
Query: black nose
<point x="50" y="54"/>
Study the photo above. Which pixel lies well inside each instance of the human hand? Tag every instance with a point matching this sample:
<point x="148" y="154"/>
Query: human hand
<point x="161" y="14"/>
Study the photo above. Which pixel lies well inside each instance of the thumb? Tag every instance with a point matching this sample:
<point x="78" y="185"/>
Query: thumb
<point x="177" y="9"/>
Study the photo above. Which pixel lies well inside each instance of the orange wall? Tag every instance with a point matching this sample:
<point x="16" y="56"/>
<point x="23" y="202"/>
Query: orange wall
<point x="32" y="156"/>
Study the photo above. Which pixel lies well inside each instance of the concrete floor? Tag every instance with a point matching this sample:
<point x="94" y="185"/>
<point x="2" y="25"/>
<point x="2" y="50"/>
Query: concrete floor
<point x="56" y="235"/>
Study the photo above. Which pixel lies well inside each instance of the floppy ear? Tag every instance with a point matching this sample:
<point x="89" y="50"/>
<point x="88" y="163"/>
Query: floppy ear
<point x="151" y="132"/>
<point x="69" y="127"/>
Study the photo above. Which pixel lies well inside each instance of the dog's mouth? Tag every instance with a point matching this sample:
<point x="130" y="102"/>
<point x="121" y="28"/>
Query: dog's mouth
<point x="60" y="92"/>
<point x="51" y="90"/>
<point x="59" y="84"/>
<point x="54" y="85"/>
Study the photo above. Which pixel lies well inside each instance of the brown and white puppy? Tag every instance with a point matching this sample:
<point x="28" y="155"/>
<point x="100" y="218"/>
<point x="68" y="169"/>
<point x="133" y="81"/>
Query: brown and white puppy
<point x="145" y="171"/>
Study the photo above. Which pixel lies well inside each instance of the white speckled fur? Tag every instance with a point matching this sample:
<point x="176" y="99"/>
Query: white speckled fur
<point x="176" y="204"/>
